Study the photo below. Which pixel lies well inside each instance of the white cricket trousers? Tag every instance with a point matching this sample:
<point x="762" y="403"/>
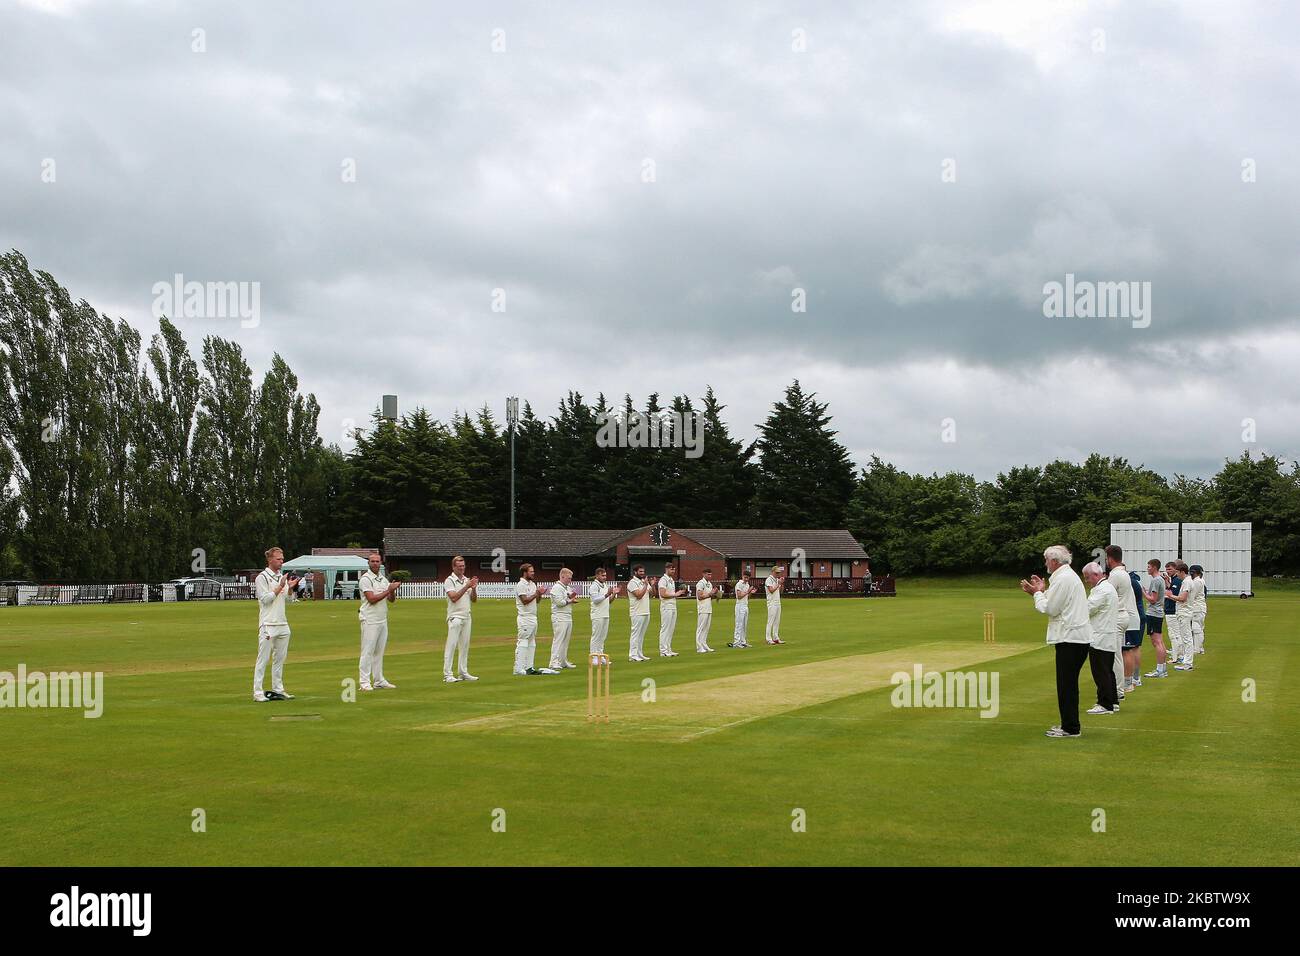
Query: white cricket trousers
<point x="374" y="638"/>
<point x="741" y="633"/>
<point x="458" y="629"/>
<point x="636" y="645"/>
<point x="667" y="624"/>
<point x="599" y="631"/>
<point x="1198" y="631"/>
<point x="1118" y="664"/>
<point x="1183" y="638"/>
<point x="562" y="628"/>
<point x="773" y="621"/>
<point x="525" y="643"/>
<point x="275" y="649"/>
<point x="1184" y="623"/>
<point x="702" y="624"/>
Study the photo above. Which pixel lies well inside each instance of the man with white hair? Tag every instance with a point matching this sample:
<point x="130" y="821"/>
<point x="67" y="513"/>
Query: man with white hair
<point x="1063" y="600"/>
<point x="1103" y="608"/>
<point x="562" y="599"/>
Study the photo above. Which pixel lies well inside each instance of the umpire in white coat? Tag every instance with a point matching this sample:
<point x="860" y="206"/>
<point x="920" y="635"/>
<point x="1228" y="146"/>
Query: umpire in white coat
<point x="1061" y="597"/>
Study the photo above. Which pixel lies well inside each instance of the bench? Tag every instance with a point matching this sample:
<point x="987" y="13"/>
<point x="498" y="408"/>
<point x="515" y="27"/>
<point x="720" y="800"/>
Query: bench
<point x="47" y="594"/>
<point x="93" y="594"/>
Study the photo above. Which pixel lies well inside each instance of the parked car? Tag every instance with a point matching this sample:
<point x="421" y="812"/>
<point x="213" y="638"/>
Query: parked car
<point x="189" y="584"/>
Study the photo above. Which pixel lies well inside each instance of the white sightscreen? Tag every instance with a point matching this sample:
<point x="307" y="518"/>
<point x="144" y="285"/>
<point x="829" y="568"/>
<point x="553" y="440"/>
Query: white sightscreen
<point x="1142" y="542"/>
<point x="1223" y="549"/>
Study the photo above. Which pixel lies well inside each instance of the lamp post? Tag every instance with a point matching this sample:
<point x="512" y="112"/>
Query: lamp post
<point x="512" y="419"/>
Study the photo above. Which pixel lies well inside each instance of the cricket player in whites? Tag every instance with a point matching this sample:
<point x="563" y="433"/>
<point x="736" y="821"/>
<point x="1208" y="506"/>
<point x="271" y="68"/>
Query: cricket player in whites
<point x="1127" y="619"/>
<point x="773" y="585"/>
<point x="562" y="598"/>
<point x="462" y="592"/>
<point x="377" y="592"/>
<point x="601" y="593"/>
<point x="272" y="590"/>
<point x="1199" y="607"/>
<point x="740" y="638"/>
<point x="1184" y="649"/>
<point x="638" y="609"/>
<point x="526" y="597"/>
<point x="706" y="592"/>
<point x="669" y="592"/>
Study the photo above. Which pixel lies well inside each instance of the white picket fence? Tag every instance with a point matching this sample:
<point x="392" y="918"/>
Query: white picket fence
<point x="424" y="590"/>
<point x="411" y="590"/>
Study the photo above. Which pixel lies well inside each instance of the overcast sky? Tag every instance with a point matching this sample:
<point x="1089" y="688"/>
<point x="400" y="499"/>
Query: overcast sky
<point x="650" y="183"/>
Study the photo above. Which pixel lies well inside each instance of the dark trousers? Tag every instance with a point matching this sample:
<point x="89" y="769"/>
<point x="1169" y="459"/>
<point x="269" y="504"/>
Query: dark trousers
<point x="1069" y="661"/>
<point x="1103" y="675"/>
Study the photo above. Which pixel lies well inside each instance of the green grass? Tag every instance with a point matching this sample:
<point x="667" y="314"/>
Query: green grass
<point x="1188" y="774"/>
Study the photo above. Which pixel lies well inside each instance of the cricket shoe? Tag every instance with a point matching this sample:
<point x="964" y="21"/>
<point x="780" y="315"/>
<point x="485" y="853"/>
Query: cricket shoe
<point x="709" y="650"/>
<point x="1182" y="667"/>
<point x="547" y="670"/>
<point x="523" y="673"/>
<point x="1099" y="710"/>
<point x="1058" y="732"/>
<point x="450" y="679"/>
<point x="1156" y="674"/>
<point x="259" y="696"/>
<point x="1137" y="681"/>
<point x="282" y="694"/>
<point x="668" y="654"/>
<point x="275" y="695"/>
<point x="365" y="685"/>
<point x="570" y="664"/>
<point x="384" y="685"/>
<point x="466" y="675"/>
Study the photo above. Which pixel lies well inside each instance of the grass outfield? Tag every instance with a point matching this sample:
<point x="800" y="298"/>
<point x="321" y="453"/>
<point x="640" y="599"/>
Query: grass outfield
<point x="709" y="773"/>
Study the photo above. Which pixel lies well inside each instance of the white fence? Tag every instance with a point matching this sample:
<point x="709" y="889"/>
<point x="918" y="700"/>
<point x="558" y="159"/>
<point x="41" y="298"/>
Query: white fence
<point x="1221" y="548"/>
<point x="422" y="590"/>
<point x="411" y="590"/>
<point x="1142" y="542"/>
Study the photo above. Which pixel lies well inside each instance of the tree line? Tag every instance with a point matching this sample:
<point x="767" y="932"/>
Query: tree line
<point x="120" y="460"/>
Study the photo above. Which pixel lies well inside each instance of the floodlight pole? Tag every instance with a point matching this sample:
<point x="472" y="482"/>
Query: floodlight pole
<point x="512" y="419"/>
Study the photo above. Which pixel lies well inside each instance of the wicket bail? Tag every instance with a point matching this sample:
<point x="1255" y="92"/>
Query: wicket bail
<point x="598" y="699"/>
<point x="990" y="628"/>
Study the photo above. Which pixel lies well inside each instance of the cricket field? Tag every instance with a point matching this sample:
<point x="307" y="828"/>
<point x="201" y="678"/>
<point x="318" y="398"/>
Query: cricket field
<point x="790" y="755"/>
